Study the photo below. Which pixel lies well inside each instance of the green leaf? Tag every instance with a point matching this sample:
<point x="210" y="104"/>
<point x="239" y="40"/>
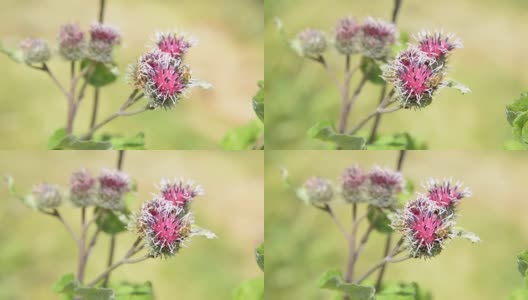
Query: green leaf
<point x="259" y="256"/>
<point x="398" y="141"/>
<point x="371" y="70"/>
<point x="120" y="142"/>
<point x="522" y="262"/>
<point x="250" y="290"/>
<point x="379" y="219"/>
<point x="60" y="140"/>
<point x="332" y="280"/>
<point x="67" y="284"/>
<point x="518" y="107"/>
<point x="403" y="291"/>
<point x="109" y="222"/>
<point x="15" y="55"/>
<point x="134" y="291"/>
<point x="28" y="200"/>
<point x="56" y="138"/>
<point x="519" y="125"/>
<point x="514" y="145"/>
<point x="521" y="294"/>
<point x="325" y="131"/>
<point x="101" y="74"/>
<point x="458" y="86"/>
<point x="244" y="137"/>
<point x="95" y="293"/>
<point x="258" y="101"/>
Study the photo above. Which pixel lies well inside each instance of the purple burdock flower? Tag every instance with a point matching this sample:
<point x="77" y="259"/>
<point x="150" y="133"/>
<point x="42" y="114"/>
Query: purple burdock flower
<point x="72" y="45"/>
<point x="426" y="227"/>
<point x="179" y="192"/>
<point x="415" y="77"/>
<point x="35" y="50"/>
<point x="384" y="185"/>
<point x="377" y="37"/>
<point x="353" y="184"/>
<point x="174" y="43"/>
<point x="347" y="36"/>
<point x="47" y="196"/>
<point x="313" y="42"/>
<point x="437" y="45"/>
<point x="82" y="188"/>
<point x="103" y="38"/>
<point x="446" y="194"/>
<point x="113" y="185"/>
<point x="163" y="226"/>
<point x="318" y="190"/>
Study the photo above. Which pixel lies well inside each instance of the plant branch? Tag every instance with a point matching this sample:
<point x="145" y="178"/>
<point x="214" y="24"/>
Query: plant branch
<point x="352" y="243"/>
<point x="326" y="208"/>
<point x="320" y="59"/>
<point x="390" y="258"/>
<point x="82" y="256"/>
<point x="55" y="213"/>
<point x="396" y="10"/>
<point x="379" y="111"/>
<point x="347" y="104"/>
<point x="46" y="69"/>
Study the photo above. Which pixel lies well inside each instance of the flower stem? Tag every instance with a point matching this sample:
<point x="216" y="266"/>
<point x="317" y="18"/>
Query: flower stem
<point x="390" y="258"/>
<point x="82" y="256"/>
<point x="327" y="208"/>
<point x="347" y="105"/>
<point x="379" y="111"/>
<point x="57" y="215"/>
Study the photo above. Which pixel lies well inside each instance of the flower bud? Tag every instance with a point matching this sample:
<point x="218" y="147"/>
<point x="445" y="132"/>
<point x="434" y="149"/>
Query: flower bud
<point x="179" y="192"/>
<point x="377" y="37"/>
<point x="103" y="38"/>
<point x="71" y="42"/>
<point x="176" y="44"/>
<point x="47" y="196"/>
<point x="35" y="50"/>
<point x="163" y="226"/>
<point x="415" y="78"/>
<point x="313" y="42"/>
<point x="112" y="187"/>
<point x="446" y="194"/>
<point x="348" y="36"/>
<point x="318" y="190"/>
<point x="426" y="227"/>
<point x="353" y="188"/>
<point x="384" y="185"/>
<point x="437" y="45"/>
<point x="82" y="188"/>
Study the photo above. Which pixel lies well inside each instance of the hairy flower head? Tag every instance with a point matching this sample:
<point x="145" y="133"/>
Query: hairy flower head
<point x="354" y="184"/>
<point x="437" y="45"/>
<point x="318" y="190"/>
<point x="72" y="45"/>
<point x="113" y="185"/>
<point x="103" y="38"/>
<point x="347" y="36"/>
<point x="377" y="37"/>
<point x="313" y="42"/>
<point x="35" y="50"/>
<point x="47" y="196"/>
<point x="82" y="188"/>
<point x="180" y="192"/>
<point x="446" y="193"/>
<point x="384" y="185"/>
<point x="174" y="43"/>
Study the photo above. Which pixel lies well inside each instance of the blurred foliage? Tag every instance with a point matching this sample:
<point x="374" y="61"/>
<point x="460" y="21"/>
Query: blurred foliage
<point x="517" y="116"/>
<point x="491" y="64"/>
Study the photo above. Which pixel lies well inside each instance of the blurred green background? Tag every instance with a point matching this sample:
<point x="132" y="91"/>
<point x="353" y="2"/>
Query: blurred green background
<point x="493" y="64"/>
<point x="302" y="242"/>
<point x="35" y="249"/>
<point x="228" y="55"/>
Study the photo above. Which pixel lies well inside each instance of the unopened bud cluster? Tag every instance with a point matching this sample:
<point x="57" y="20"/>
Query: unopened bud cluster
<point x="35" y="50"/>
<point x="372" y="38"/>
<point x="47" y="196"/>
<point x="428" y="222"/>
<point x="418" y="72"/>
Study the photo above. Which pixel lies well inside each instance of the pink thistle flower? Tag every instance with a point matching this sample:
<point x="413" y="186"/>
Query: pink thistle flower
<point x="179" y="192"/>
<point x="446" y="194"/>
<point x="113" y="184"/>
<point x="35" y="50"/>
<point x="384" y="185"/>
<point x="313" y="42"/>
<point x="426" y="227"/>
<point x="437" y="45"/>
<point x="164" y="227"/>
<point x="82" y="188"/>
<point x="415" y="78"/>
<point x="47" y="196"/>
<point x="103" y="38"/>
<point x="377" y="37"/>
<point x="353" y="184"/>
<point x="71" y="42"/>
<point x="174" y="43"/>
<point x="318" y="190"/>
<point x="347" y="36"/>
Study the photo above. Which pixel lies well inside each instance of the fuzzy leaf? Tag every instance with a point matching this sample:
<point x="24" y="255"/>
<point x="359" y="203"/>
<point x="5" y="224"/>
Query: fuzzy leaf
<point x="95" y="293"/>
<point x="60" y="140"/>
<point x="67" y="284"/>
<point x="470" y="236"/>
<point x="332" y="280"/>
<point x="371" y="70"/>
<point x="325" y="131"/>
<point x="109" y="222"/>
<point x="398" y="141"/>
<point x="56" y="138"/>
<point x="250" y="290"/>
<point x="518" y="107"/>
<point x="458" y="86"/>
<point x="519" y="125"/>
<point x="119" y="142"/>
<point x="403" y="291"/>
<point x="258" y="101"/>
<point x="15" y="55"/>
<point x="101" y="74"/>
<point x="522" y="262"/>
<point x="244" y="137"/>
<point x="199" y="231"/>
<point x="259" y="256"/>
<point x="379" y="219"/>
<point x="133" y="291"/>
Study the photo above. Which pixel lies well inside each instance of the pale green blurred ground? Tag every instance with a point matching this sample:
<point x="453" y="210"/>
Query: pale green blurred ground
<point x="35" y="249"/>
<point x="229" y="55"/>
<point x="493" y="64"/>
<point x="302" y="242"/>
